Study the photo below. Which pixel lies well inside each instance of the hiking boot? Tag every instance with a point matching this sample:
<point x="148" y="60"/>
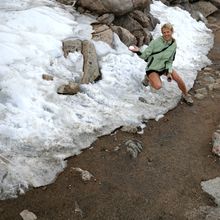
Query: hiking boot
<point x="145" y="81"/>
<point x="188" y="99"/>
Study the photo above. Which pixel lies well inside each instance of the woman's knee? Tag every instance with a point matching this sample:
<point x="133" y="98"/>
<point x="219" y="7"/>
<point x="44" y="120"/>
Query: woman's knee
<point x="157" y="85"/>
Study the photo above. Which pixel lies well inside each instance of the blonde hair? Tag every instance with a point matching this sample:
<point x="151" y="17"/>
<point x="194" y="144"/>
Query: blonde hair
<point x="167" y="26"/>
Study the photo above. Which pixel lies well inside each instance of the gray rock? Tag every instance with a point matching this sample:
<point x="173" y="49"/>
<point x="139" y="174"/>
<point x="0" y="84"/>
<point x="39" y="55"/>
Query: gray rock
<point x="216" y="3"/>
<point x="141" y="18"/>
<point x="133" y="147"/>
<point x="117" y="7"/>
<point x="199" y="96"/>
<point x="90" y="65"/>
<point x="202" y="91"/>
<point x="69" y="89"/>
<point x="67" y="2"/>
<point x="102" y="32"/>
<point x="27" y="215"/>
<point x="209" y="79"/>
<point x="47" y="77"/>
<point x="216" y="142"/>
<point x="107" y="18"/>
<point x="125" y="36"/>
<point x="210" y="87"/>
<point x="71" y="46"/>
<point x="135" y="28"/>
<point x="205" y="7"/>
<point x="216" y="86"/>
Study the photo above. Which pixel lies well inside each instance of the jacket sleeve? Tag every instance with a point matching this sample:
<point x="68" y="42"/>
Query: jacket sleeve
<point x="148" y="51"/>
<point x="169" y="63"/>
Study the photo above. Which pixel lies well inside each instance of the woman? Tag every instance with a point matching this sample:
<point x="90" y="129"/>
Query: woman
<point x="160" y="55"/>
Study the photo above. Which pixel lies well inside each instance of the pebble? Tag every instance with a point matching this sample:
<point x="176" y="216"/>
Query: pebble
<point x="202" y="91"/>
<point x="199" y="96"/>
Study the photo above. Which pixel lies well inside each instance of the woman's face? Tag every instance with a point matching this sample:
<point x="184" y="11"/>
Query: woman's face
<point x="167" y="34"/>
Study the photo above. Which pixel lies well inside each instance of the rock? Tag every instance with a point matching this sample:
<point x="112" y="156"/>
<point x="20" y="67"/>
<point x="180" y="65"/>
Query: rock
<point x="209" y="79"/>
<point x="199" y="96"/>
<point x="208" y="69"/>
<point x="202" y="91"/>
<point x="90" y="66"/>
<point x="70" y="89"/>
<point x="216" y="142"/>
<point x="205" y="7"/>
<point x="102" y="33"/>
<point x="27" y="215"/>
<point x="133" y="147"/>
<point x="47" y="77"/>
<point x="134" y="28"/>
<point x="67" y="2"/>
<point x="78" y="210"/>
<point x="86" y="175"/>
<point x="125" y="36"/>
<point x="71" y="46"/>
<point x="130" y="129"/>
<point x="107" y="18"/>
<point x="217" y="81"/>
<point x="216" y="3"/>
<point x="141" y="18"/>
<point x="210" y="87"/>
<point x="212" y="187"/>
<point x="117" y="7"/>
<point x="216" y="86"/>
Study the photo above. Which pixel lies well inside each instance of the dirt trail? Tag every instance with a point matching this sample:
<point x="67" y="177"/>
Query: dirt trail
<point x="163" y="182"/>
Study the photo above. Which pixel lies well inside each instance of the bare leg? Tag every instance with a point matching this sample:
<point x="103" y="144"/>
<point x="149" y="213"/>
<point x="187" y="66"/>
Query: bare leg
<point x="155" y="80"/>
<point x="179" y="82"/>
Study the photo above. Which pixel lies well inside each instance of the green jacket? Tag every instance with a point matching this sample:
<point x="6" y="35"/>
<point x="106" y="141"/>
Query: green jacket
<point x="162" y="60"/>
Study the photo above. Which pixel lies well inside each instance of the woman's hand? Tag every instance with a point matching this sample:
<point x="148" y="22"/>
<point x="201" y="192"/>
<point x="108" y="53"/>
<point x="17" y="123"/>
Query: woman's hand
<point x="134" y="48"/>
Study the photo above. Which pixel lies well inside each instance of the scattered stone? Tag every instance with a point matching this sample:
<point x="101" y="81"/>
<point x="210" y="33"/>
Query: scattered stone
<point x="209" y="79"/>
<point x="133" y="147"/>
<point x="207" y="73"/>
<point x="209" y="69"/>
<point x="27" y="215"/>
<point x="216" y="142"/>
<point x="86" y="175"/>
<point x="70" y="89"/>
<point x="216" y="86"/>
<point x="212" y="187"/>
<point x="217" y="81"/>
<point x="199" y="96"/>
<point x="202" y="91"/>
<point x="47" y="77"/>
<point x="78" y="210"/>
<point x="210" y="87"/>
<point x="142" y="99"/>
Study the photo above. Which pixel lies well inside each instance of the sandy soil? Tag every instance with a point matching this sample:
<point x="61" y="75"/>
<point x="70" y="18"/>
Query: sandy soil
<point x="163" y="182"/>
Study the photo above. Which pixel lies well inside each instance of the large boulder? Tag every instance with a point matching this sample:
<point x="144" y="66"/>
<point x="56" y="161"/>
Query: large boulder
<point x="90" y="65"/>
<point x="102" y="32"/>
<point x="125" y="36"/>
<point x="117" y="7"/>
<point x="135" y="28"/>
